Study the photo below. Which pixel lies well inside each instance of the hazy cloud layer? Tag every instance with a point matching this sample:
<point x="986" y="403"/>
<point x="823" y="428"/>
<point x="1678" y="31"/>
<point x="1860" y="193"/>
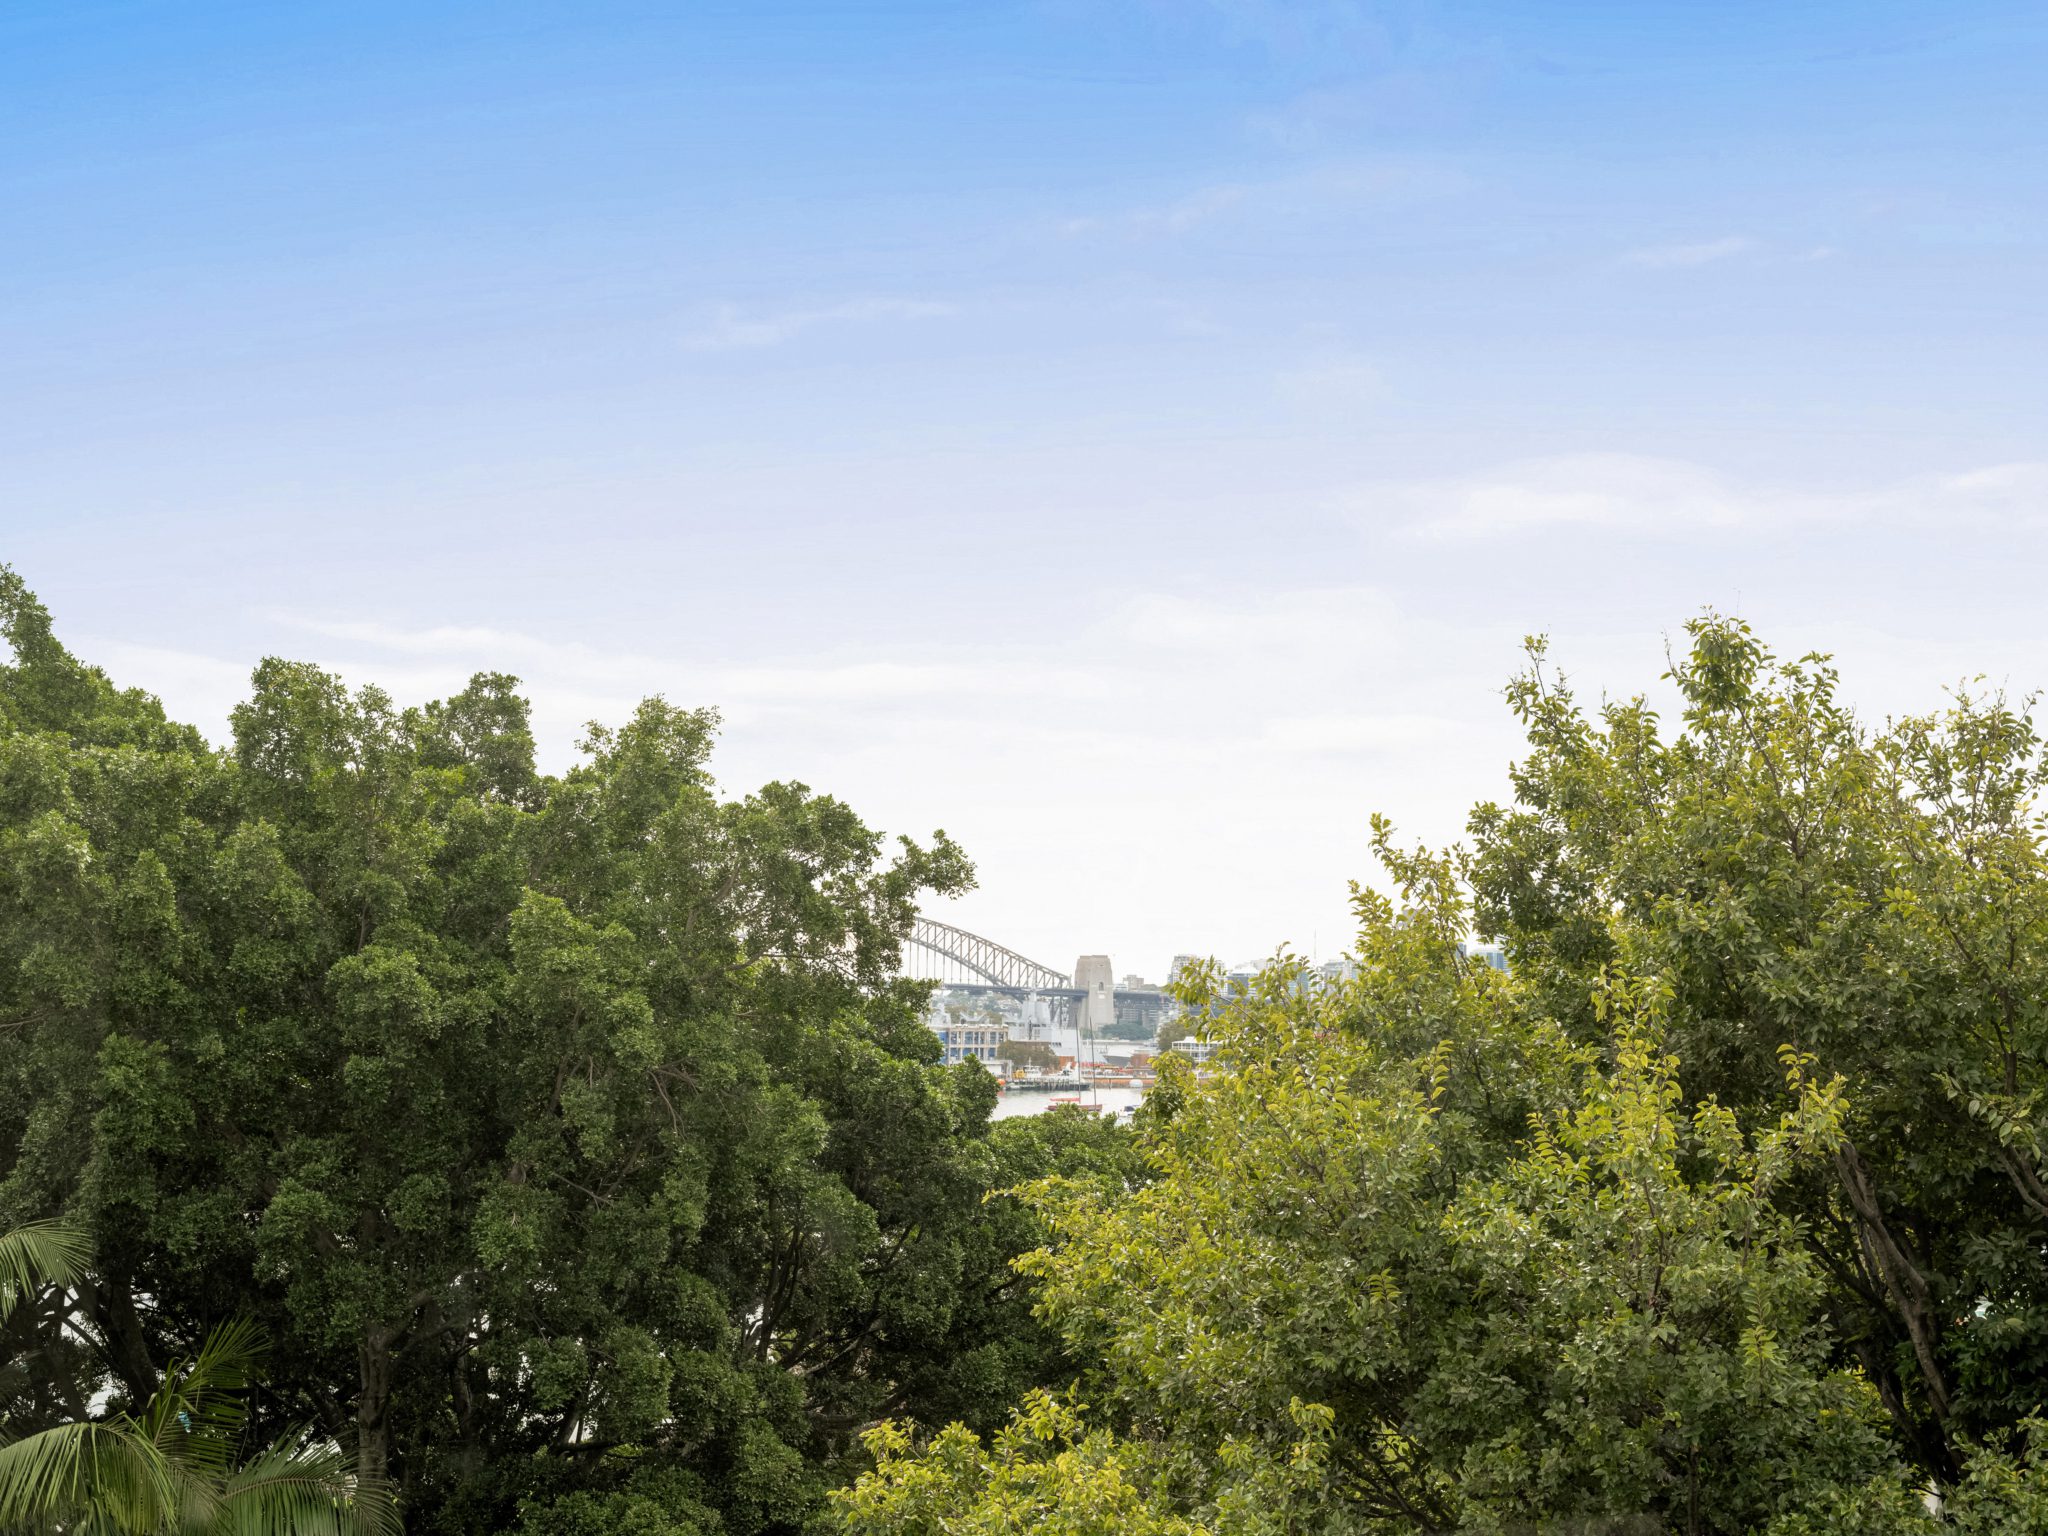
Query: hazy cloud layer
<point x="1645" y="496"/>
<point x="732" y="328"/>
<point x="1696" y="254"/>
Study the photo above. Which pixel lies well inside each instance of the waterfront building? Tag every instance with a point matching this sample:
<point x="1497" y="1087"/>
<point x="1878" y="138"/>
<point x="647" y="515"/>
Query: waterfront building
<point x="986" y="1040"/>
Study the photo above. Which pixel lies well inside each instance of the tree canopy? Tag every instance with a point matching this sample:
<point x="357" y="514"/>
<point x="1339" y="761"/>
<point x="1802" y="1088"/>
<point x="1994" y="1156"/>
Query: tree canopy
<point x="567" y="1137"/>
<point x="574" y="1149"/>
<point x="1719" y="1211"/>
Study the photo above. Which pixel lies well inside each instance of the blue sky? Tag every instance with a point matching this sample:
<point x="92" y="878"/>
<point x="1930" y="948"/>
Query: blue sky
<point x="1134" y="436"/>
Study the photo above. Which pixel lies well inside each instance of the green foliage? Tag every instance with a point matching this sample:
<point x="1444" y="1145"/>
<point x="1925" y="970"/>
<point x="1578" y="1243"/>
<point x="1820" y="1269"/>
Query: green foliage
<point x="1721" y="1212"/>
<point x="572" y="1145"/>
<point x="1045" y="1474"/>
<point x="175" y="1464"/>
<point x="1415" y="1261"/>
<point x="1874" y="899"/>
<point x="669" y="1503"/>
<point x="567" y="1137"/>
<point x="2003" y="1492"/>
<point x="1523" y="1281"/>
<point x="38" y="1254"/>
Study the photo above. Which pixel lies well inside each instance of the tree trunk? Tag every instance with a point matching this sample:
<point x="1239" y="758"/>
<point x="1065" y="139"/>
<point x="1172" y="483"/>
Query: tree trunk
<point x="373" y="1407"/>
<point x="111" y="1305"/>
<point x="1905" y="1285"/>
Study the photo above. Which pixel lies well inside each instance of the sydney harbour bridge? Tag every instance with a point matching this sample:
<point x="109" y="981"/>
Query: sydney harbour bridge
<point x="954" y="957"/>
<point x="964" y="962"/>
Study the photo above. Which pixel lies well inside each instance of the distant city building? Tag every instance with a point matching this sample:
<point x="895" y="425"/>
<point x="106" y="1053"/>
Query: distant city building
<point x="1336" y="972"/>
<point x="1145" y="1010"/>
<point x="980" y="1015"/>
<point x="1197" y="1051"/>
<point x="1486" y="954"/>
<point x="984" y="1040"/>
<point x="1096" y="1006"/>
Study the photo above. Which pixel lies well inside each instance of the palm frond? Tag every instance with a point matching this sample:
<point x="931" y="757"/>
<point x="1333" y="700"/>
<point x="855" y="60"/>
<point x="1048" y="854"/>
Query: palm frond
<point x="195" y="1416"/>
<point x="40" y="1253"/>
<point x="173" y="1467"/>
<point x="88" y="1474"/>
<point x="227" y="1361"/>
<point x="299" y="1486"/>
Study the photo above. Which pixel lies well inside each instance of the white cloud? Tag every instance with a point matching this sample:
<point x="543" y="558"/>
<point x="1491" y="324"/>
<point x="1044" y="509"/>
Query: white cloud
<point x="730" y="328"/>
<point x="1189" y="769"/>
<point x="1175" y="736"/>
<point x="1292" y="628"/>
<point x="443" y="640"/>
<point x="451" y="652"/>
<point x="1591" y="490"/>
<point x="1643" y="495"/>
<point x="1695" y="255"/>
<point x="2021" y="487"/>
<point x="201" y="690"/>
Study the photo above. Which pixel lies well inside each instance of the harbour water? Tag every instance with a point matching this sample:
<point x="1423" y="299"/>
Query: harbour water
<point x="1120" y="1100"/>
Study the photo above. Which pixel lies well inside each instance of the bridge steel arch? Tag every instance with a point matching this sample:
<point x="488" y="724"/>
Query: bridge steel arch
<point x="985" y="958"/>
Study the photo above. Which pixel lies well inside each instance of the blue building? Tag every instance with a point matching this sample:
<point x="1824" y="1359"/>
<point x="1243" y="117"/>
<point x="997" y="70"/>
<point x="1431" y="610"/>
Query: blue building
<point x="987" y="1042"/>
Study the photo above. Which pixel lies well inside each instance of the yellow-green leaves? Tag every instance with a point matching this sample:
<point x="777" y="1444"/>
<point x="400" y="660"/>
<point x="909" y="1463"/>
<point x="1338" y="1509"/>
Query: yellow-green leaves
<point x="1416" y="1259"/>
<point x="1045" y="1473"/>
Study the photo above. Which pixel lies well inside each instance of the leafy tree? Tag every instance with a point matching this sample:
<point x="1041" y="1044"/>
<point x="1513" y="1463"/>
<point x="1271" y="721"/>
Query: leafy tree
<point x="176" y="1463"/>
<point x="1417" y="1261"/>
<point x="1721" y="1211"/>
<point x="567" y="1136"/>
<point x="42" y="1372"/>
<point x="1874" y="898"/>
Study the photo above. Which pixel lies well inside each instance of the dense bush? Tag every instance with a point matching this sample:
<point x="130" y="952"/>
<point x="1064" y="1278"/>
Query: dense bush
<point x="572" y="1146"/>
<point x="566" y="1137"/>
<point x="1722" y="1211"/>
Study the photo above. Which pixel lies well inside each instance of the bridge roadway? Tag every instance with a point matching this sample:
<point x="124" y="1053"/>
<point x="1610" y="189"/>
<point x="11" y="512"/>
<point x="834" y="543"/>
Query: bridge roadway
<point x="966" y="962"/>
<point x="1066" y="995"/>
